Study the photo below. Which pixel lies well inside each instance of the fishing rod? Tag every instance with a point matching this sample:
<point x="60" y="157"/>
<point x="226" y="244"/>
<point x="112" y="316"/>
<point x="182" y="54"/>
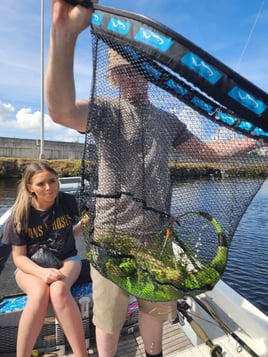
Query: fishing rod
<point x="225" y="328"/>
<point x="215" y="350"/>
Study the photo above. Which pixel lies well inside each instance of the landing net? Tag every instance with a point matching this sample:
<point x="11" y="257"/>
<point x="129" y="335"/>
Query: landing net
<point x="163" y="212"/>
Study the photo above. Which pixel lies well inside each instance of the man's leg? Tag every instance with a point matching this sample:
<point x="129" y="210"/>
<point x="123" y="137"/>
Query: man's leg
<point x="106" y="343"/>
<point x="110" y="304"/>
<point x="151" y="317"/>
<point x="151" y="329"/>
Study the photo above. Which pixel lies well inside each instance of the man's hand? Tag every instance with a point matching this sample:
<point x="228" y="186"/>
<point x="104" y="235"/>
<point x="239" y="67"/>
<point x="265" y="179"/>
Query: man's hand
<point x="72" y="18"/>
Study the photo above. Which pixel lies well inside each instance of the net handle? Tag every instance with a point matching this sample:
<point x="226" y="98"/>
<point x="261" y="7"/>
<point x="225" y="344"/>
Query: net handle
<point x="85" y="3"/>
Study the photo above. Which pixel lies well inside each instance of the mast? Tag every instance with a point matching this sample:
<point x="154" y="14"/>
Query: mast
<point x="41" y="155"/>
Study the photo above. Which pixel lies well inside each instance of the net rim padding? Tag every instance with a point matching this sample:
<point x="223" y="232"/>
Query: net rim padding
<point x="239" y="117"/>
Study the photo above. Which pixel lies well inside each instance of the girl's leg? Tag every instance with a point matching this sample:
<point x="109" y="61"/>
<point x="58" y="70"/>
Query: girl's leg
<point x="34" y="313"/>
<point x="66" y="308"/>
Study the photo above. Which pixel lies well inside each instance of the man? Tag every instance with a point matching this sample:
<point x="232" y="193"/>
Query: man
<point x="110" y="302"/>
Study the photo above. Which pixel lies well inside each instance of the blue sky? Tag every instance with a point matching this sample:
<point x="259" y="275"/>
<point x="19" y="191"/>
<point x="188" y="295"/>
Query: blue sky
<point x="233" y="31"/>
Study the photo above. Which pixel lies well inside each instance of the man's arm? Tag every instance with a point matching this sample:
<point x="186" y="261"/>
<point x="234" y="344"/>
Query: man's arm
<point x="214" y="151"/>
<point x="67" y="23"/>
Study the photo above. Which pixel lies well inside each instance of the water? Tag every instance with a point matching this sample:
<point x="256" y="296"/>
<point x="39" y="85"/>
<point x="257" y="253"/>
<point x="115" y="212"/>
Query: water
<point x="7" y="194"/>
<point x="247" y="268"/>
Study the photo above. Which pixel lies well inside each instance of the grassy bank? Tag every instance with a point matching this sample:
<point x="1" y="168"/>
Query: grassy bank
<point x="14" y="167"/>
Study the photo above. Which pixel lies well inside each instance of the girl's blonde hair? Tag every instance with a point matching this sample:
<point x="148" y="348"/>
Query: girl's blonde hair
<point x="21" y="209"/>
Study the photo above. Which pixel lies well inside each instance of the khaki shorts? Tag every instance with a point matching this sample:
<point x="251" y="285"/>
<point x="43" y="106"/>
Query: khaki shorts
<point x="110" y="305"/>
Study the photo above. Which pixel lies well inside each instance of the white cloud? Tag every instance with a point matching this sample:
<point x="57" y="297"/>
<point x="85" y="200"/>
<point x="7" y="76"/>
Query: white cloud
<point x="192" y="119"/>
<point x="204" y="129"/>
<point x="224" y="134"/>
<point x="29" y="120"/>
<point x="5" y="109"/>
<point x="70" y="135"/>
<point x="26" y="123"/>
<point x="24" y="119"/>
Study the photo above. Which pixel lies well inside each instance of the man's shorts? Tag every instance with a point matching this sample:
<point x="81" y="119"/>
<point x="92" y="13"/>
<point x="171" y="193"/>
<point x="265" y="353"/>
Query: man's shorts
<point x="110" y="305"/>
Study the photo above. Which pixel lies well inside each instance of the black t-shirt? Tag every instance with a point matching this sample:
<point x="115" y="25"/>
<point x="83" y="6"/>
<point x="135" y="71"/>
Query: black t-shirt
<point x="53" y="228"/>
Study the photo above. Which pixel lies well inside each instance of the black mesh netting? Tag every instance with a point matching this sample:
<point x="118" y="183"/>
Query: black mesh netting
<point x="163" y="213"/>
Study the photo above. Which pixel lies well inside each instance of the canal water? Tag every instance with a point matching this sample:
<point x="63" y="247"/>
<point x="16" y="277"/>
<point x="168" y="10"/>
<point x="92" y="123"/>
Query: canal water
<point x="247" y="268"/>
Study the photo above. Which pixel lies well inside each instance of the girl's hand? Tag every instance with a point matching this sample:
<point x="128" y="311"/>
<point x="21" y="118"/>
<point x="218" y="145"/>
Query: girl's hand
<point x="49" y="275"/>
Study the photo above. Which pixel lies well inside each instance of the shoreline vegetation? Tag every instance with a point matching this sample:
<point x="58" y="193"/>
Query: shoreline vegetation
<point x="14" y="167"/>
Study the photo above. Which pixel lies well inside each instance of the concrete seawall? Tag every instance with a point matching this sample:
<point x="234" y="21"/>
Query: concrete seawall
<point x="28" y="148"/>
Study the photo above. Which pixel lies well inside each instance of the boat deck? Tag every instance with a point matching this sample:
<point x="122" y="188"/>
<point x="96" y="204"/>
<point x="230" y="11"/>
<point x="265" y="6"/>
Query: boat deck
<point x="174" y="340"/>
<point x="229" y="349"/>
<point x="175" y="344"/>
